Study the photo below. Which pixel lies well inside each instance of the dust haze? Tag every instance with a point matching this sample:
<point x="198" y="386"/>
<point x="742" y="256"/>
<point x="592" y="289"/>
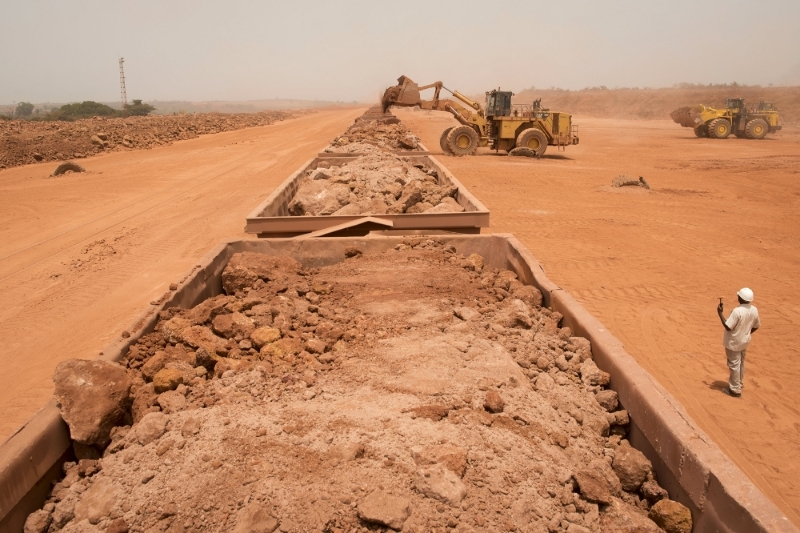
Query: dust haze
<point x="201" y="51"/>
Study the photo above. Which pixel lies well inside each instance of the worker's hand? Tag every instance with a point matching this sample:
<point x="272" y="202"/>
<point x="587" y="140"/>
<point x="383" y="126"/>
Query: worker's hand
<point x="719" y="308"/>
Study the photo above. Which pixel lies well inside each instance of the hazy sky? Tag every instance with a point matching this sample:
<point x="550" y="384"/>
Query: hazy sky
<point x="67" y="50"/>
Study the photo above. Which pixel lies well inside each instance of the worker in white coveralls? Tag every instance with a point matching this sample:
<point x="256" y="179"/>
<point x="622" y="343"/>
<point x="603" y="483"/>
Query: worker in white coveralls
<point x="742" y="322"/>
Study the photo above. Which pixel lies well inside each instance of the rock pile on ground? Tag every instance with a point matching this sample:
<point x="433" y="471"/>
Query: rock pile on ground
<point x="377" y="183"/>
<point x="23" y="142"/>
<point x="413" y="390"/>
<point x="374" y="132"/>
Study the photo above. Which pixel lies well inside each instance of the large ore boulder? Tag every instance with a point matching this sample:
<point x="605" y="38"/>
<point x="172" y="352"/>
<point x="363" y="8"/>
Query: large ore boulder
<point x="93" y="397"/>
<point x="318" y="197"/>
<point x="631" y="466"/>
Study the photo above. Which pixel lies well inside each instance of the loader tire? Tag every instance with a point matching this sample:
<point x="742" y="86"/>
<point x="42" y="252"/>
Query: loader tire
<point x="701" y="131"/>
<point x="719" y="128"/>
<point x="756" y="128"/>
<point x="463" y="140"/>
<point x="443" y="142"/>
<point x="533" y="139"/>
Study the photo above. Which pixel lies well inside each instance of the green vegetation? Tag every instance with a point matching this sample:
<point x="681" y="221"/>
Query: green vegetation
<point x="137" y="108"/>
<point x="24" y="110"/>
<point x="86" y="109"/>
<point x="70" y="112"/>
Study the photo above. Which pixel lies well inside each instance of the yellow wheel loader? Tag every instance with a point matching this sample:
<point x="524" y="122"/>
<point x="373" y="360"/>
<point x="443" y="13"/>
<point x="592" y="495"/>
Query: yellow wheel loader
<point x="528" y="129"/>
<point x="735" y="118"/>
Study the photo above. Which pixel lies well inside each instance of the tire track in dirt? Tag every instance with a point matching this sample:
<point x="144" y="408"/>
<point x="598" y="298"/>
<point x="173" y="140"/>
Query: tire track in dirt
<point x="648" y="349"/>
<point x="203" y="190"/>
<point x="717" y="428"/>
<point x="118" y="212"/>
<point x="701" y="232"/>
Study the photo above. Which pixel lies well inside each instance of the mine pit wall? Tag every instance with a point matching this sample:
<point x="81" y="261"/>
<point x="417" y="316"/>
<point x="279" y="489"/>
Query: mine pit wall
<point x="689" y="465"/>
<point x="271" y="218"/>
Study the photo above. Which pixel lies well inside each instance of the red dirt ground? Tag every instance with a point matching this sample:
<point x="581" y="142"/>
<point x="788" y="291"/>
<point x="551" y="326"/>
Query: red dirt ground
<point x="658" y="103"/>
<point x="83" y="254"/>
<point x="650" y="264"/>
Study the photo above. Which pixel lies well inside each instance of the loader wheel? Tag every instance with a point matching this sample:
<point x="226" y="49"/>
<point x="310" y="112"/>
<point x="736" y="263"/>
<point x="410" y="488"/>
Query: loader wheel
<point x="756" y="128"/>
<point x="719" y="128"/>
<point x="443" y="142"/>
<point x="534" y="139"/>
<point x="701" y="131"/>
<point x="462" y="140"/>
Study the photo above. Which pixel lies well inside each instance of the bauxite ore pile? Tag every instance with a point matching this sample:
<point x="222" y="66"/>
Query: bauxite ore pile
<point x="376" y="184"/>
<point x="415" y="390"/>
<point x="375" y="133"/>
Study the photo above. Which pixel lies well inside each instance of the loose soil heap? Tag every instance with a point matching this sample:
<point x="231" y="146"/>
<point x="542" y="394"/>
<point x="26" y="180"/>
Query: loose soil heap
<point x="414" y="390"/>
<point x="24" y="142"/>
<point x="377" y="183"/>
<point x="375" y="131"/>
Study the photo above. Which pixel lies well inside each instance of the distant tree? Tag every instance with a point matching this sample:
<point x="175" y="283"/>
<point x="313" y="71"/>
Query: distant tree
<point x="86" y="109"/>
<point x="137" y="108"/>
<point x="24" y="109"/>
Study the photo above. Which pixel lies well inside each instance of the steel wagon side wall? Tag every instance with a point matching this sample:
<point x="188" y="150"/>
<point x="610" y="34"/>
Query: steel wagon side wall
<point x="272" y="215"/>
<point x="688" y="463"/>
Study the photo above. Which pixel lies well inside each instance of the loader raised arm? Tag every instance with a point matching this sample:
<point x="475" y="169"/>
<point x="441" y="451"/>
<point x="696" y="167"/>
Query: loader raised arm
<point x="407" y="94"/>
<point x="530" y="127"/>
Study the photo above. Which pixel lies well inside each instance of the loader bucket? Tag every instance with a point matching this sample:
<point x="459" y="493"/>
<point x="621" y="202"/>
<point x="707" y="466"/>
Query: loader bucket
<point x="404" y="94"/>
<point x="688" y="117"/>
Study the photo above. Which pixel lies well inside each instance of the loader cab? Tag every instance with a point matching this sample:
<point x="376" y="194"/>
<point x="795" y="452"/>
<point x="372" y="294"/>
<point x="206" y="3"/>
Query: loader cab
<point x="498" y="103"/>
<point x="734" y="103"/>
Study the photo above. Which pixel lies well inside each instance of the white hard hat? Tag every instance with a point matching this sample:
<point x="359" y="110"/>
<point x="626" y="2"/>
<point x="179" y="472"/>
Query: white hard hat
<point x="745" y="294"/>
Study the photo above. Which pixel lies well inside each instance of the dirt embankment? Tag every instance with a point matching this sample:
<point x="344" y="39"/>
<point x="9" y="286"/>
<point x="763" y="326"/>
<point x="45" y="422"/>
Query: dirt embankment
<point x="658" y="103"/>
<point x="25" y="142"/>
<point x="415" y="389"/>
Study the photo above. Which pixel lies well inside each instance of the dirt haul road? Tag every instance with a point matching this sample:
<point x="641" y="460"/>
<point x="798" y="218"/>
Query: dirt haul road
<point x="650" y="264"/>
<point x="721" y="214"/>
<point x="82" y="255"/>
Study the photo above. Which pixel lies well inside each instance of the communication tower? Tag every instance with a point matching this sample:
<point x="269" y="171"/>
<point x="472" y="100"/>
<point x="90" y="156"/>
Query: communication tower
<point x="123" y="93"/>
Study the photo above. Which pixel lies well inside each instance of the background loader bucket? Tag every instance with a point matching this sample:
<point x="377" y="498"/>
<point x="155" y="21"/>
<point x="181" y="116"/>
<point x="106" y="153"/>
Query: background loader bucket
<point x="687" y="117"/>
